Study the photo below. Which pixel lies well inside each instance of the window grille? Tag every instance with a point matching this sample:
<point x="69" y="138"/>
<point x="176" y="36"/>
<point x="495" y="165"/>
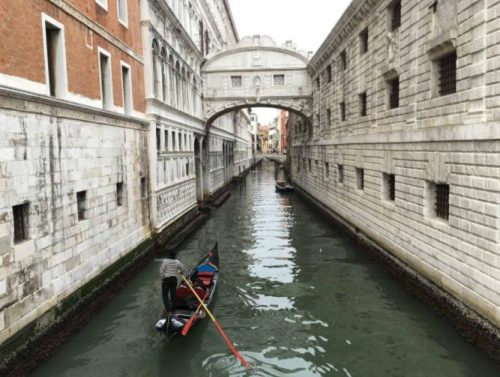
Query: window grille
<point x="448" y="74"/>
<point x="279" y="79"/>
<point x="393" y="93"/>
<point x="362" y="104"/>
<point x="235" y="81"/>
<point x="442" y="201"/>
<point x="21" y="216"/>
<point x="396" y="16"/>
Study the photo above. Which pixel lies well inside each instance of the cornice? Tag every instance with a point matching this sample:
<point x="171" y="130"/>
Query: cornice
<point x="358" y="11"/>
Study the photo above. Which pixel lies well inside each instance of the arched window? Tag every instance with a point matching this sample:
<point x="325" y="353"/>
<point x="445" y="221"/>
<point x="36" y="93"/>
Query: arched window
<point x="163" y="62"/>
<point x="155" y="58"/>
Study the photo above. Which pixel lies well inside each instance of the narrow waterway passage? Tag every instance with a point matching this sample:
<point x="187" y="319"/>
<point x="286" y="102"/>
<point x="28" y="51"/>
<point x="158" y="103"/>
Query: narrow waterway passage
<point x="297" y="297"/>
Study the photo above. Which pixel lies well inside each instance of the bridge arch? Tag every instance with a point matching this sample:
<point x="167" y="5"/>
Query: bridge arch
<point x="256" y="73"/>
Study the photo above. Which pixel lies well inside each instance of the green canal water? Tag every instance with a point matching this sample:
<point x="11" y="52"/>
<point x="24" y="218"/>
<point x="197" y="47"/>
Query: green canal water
<point x="297" y="297"/>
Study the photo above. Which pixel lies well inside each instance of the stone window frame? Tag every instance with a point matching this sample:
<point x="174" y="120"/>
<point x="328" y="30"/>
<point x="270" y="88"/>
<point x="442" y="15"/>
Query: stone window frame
<point x="329" y="74"/>
<point x="106" y="97"/>
<point x="103" y="4"/>
<point x="363" y="104"/>
<point x="390" y="86"/>
<point x="81" y="205"/>
<point x="122" y="4"/>
<point x="236" y="81"/>
<point x="127" y="88"/>
<point x="343" y="116"/>
<point x="343" y="60"/>
<point x="329" y="117"/>
<point x="340" y="173"/>
<point x="20" y="217"/>
<point x="360" y="179"/>
<point x="389" y="187"/>
<point x="395" y="15"/>
<point x="437" y="200"/>
<point x="61" y="86"/>
<point x="279" y="80"/>
<point x="327" y="171"/>
<point x="363" y="41"/>
<point x="120" y="194"/>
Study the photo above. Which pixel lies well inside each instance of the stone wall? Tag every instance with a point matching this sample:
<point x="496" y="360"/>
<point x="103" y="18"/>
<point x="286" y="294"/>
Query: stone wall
<point x="346" y="161"/>
<point x="49" y="152"/>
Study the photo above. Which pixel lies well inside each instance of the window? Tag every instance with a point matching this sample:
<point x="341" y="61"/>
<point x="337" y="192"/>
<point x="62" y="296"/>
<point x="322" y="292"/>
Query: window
<point x="393" y="93"/>
<point x="55" y="59"/>
<point x="395" y="15"/>
<point x="438" y="200"/>
<point x="447" y="67"/>
<point x="105" y="76"/>
<point x="363" y="41"/>
<point x="173" y="141"/>
<point x="119" y="194"/>
<point x="318" y="84"/>
<point x="318" y="120"/>
<point x="389" y="186"/>
<point x="180" y="141"/>
<point x="103" y="4"/>
<point x="122" y="12"/>
<point x="187" y="169"/>
<point x="340" y="171"/>
<point x="166" y="140"/>
<point x="81" y="203"/>
<point x="343" y="60"/>
<point x="279" y="80"/>
<point x="144" y="190"/>
<point x="310" y="166"/>
<point x="362" y="104"/>
<point x="360" y="179"/>
<point x="158" y="139"/>
<point x="21" y="222"/>
<point x="127" y="89"/>
<point x="342" y="111"/>
<point x="327" y="170"/>
<point x="328" y="117"/>
<point x="329" y="73"/>
<point x="236" y="81"/>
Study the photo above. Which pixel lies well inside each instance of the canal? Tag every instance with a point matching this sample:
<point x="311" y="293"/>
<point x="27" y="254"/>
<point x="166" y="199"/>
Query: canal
<point x="297" y="297"/>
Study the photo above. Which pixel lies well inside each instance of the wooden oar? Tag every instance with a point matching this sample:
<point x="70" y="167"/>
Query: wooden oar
<point x="191" y="320"/>
<point x="235" y="352"/>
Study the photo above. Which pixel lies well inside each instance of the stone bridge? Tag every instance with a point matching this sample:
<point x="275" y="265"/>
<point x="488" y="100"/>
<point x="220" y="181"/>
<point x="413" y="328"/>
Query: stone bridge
<point x="257" y="73"/>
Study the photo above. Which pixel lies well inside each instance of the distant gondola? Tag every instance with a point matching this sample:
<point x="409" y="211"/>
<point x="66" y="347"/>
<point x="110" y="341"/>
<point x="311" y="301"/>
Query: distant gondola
<point x="283" y="187"/>
<point x="203" y="279"/>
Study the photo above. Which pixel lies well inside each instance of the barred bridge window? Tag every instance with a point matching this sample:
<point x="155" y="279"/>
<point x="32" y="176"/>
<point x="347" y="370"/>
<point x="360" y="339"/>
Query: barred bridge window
<point x="447" y="66"/>
<point x="442" y="204"/>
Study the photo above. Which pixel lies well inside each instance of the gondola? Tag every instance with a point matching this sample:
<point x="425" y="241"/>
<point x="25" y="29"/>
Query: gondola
<point x="283" y="187"/>
<point x="203" y="278"/>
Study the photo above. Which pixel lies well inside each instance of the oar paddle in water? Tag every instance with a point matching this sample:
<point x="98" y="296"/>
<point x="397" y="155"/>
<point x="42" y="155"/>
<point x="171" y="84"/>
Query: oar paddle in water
<point x="231" y="347"/>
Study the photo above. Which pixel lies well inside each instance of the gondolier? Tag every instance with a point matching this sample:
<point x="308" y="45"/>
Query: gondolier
<point x="168" y="274"/>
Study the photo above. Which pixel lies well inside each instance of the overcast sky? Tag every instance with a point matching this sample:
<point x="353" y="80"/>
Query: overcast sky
<point x="306" y="22"/>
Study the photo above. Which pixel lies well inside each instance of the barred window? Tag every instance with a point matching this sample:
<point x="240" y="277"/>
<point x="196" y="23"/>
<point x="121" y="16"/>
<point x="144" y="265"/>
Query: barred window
<point x="81" y="202"/>
<point x="389" y="182"/>
<point x="363" y="41"/>
<point x="236" y="81"/>
<point x="119" y="194"/>
<point x="447" y="66"/>
<point x="329" y="73"/>
<point x="362" y="104"/>
<point x="327" y="170"/>
<point x="393" y="88"/>
<point x="310" y="165"/>
<point x="396" y="15"/>
<point x="360" y="179"/>
<point x="21" y="222"/>
<point x="340" y="169"/>
<point x="442" y="203"/>
<point x="342" y="111"/>
<point x="279" y="80"/>
<point x="317" y="82"/>
<point x="328" y="117"/>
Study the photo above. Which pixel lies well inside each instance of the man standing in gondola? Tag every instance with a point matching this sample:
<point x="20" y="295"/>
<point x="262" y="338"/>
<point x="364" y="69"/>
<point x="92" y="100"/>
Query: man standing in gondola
<point x="168" y="274"/>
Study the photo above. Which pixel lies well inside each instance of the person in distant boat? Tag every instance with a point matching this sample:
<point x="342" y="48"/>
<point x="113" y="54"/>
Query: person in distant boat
<point x="168" y="274"/>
